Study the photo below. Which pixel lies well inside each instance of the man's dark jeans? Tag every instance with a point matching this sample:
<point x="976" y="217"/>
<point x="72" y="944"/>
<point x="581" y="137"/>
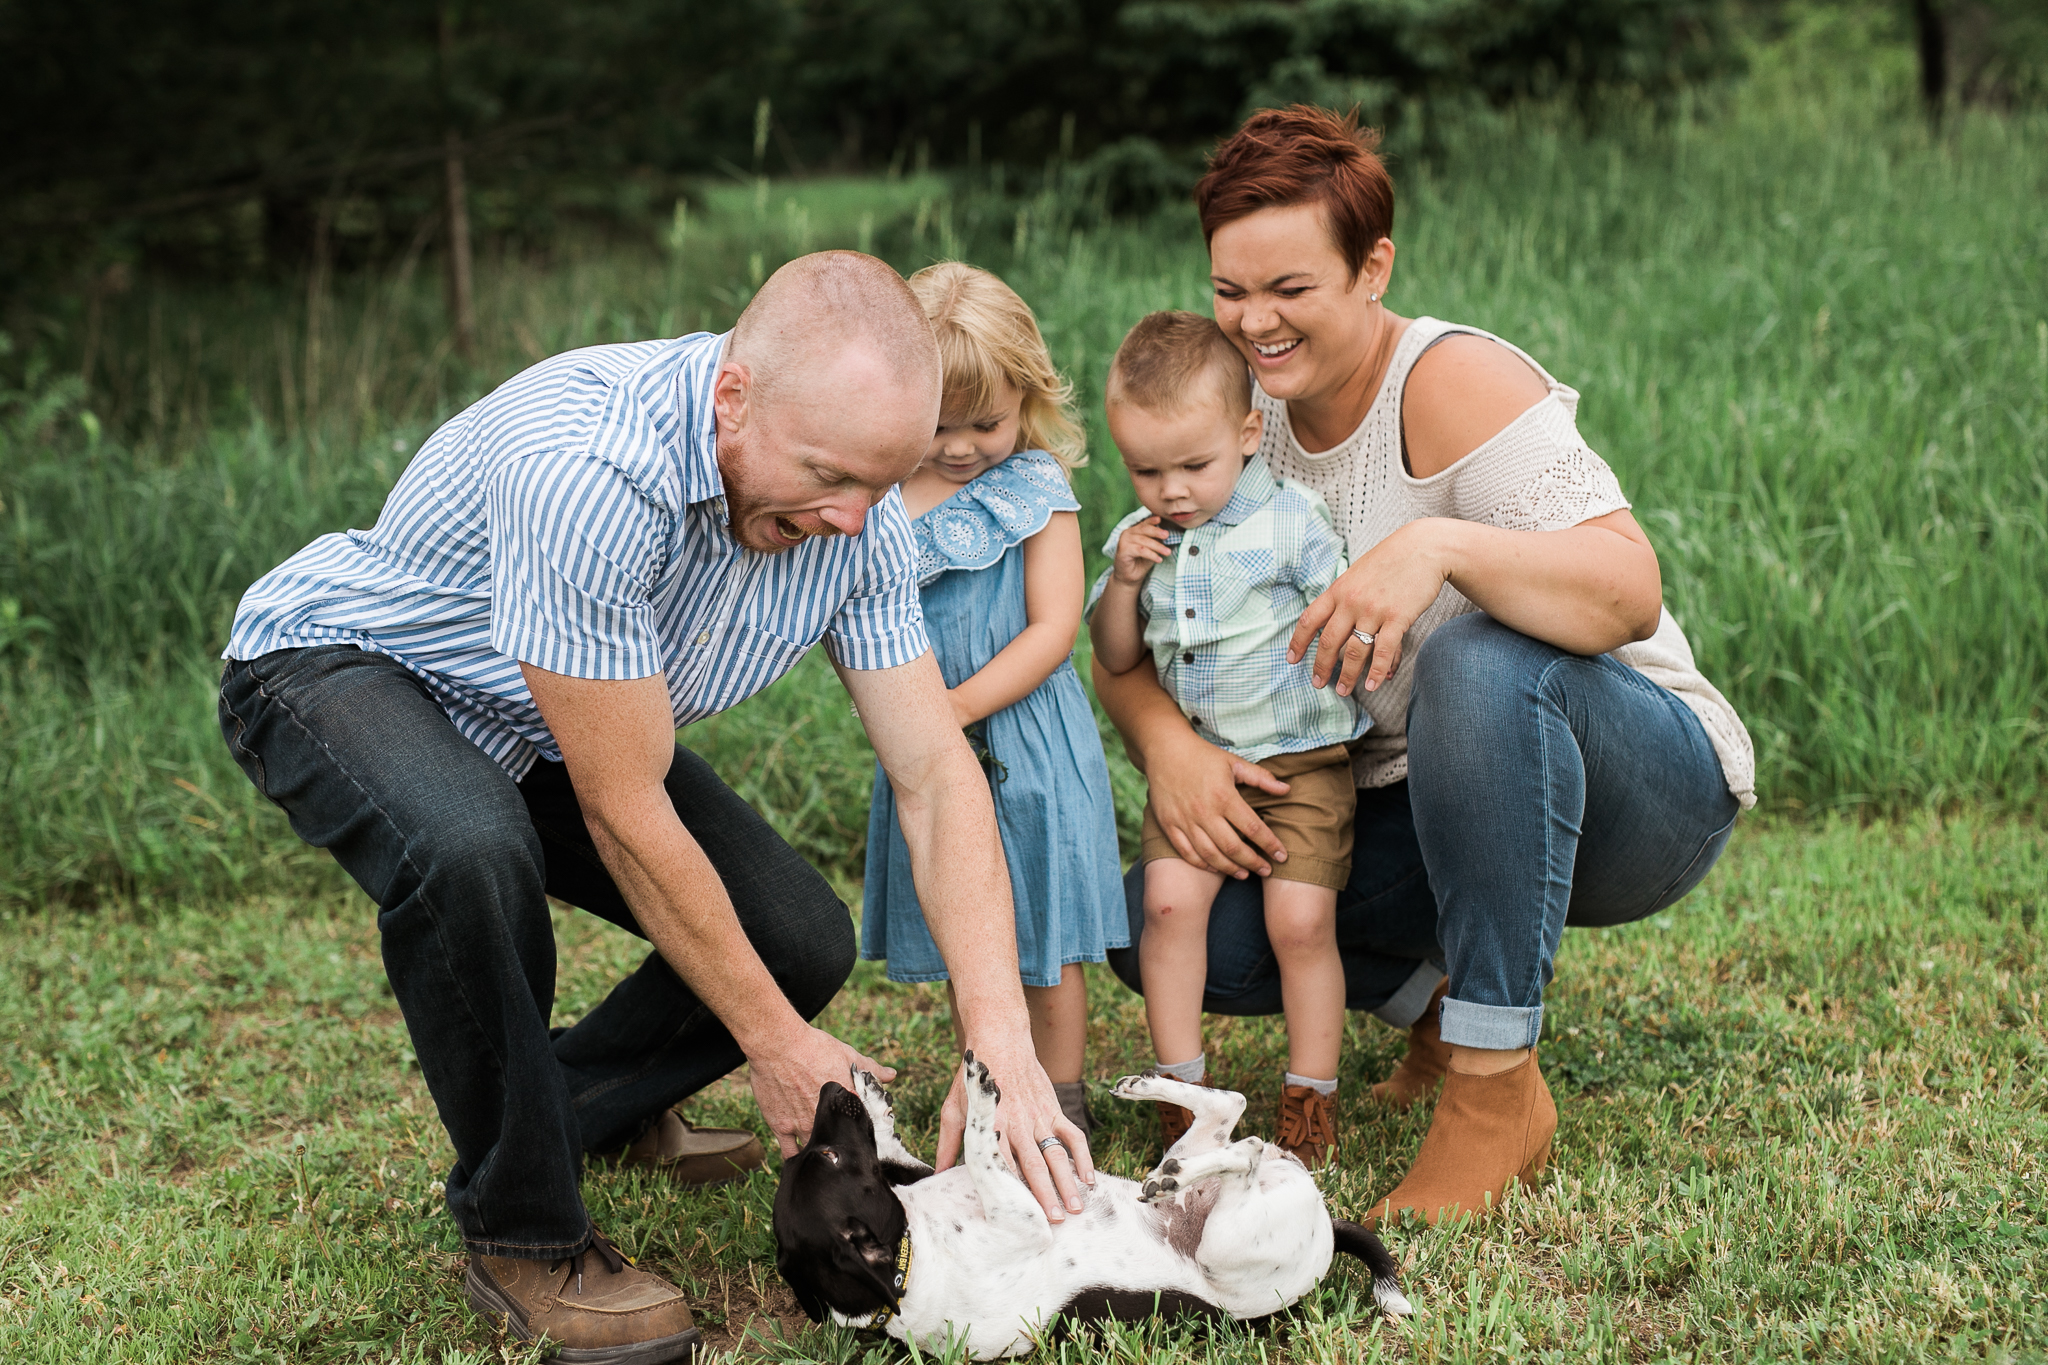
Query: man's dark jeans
<point x="460" y="860"/>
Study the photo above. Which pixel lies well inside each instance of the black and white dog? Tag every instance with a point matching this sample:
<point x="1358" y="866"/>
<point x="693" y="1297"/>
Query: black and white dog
<point x="866" y="1234"/>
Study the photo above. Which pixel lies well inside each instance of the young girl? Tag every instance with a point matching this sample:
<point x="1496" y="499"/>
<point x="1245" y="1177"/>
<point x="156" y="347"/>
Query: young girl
<point x="999" y="561"/>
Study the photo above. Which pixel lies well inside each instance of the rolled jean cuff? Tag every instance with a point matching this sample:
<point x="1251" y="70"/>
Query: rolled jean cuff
<point x="1405" y="1006"/>
<point x="1494" y="1027"/>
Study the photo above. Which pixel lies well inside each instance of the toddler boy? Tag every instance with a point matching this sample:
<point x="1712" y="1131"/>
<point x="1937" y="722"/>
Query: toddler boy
<point x="1208" y="580"/>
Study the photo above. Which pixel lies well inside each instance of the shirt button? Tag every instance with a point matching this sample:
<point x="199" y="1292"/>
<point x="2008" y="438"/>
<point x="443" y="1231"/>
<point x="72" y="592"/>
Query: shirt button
<point x="1194" y="549"/>
<point x="1191" y="613"/>
<point x="703" y="637"/>
<point x="1195" y="721"/>
<point x="1188" y="657"/>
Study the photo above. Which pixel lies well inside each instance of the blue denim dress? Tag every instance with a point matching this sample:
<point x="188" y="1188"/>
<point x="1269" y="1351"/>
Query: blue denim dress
<point x="1043" y="755"/>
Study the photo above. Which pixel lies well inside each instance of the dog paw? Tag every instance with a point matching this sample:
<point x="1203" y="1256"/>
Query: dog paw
<point x="1162" y="1182"/>
<point x="871" y="1092"/>
<point x="1130" y="1087"/>
<point x="977" y="1075"/>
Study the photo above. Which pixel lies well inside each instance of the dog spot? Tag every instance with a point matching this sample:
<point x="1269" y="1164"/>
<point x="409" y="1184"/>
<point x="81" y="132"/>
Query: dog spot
<point x="1100" y="1303"/>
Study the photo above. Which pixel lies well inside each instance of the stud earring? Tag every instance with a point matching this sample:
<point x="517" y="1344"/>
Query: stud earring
<point x="1372" y="298"/>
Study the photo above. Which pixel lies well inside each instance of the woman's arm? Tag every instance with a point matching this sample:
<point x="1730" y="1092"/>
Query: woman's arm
<point x="1588" y="588"/>
<point x="1052" y="610"/>
<point x="1193" y="783"/>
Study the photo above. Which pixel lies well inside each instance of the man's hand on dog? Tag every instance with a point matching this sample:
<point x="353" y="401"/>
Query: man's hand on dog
<point x="1028" y="1113"/>
<point x="787" y="1077"/>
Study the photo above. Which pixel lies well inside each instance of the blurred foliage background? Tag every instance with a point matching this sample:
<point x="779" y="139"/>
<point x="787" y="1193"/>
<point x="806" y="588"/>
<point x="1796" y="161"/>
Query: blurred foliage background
<point x="222" y="139"/>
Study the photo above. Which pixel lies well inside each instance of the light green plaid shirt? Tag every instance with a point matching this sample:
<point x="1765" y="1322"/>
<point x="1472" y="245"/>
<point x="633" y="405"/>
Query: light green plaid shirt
<point x="1219" y="612"/>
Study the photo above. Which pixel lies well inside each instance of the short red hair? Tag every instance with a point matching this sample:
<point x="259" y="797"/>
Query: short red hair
<point x="1303" y="155"/>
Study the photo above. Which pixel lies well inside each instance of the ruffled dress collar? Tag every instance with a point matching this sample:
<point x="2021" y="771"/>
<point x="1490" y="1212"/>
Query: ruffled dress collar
<point x="1001" y="507"/>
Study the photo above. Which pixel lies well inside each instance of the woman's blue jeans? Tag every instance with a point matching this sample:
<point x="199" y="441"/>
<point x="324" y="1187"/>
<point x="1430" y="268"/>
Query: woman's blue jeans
<point x="461" y="860"/>
<point x="1545" y="789"/>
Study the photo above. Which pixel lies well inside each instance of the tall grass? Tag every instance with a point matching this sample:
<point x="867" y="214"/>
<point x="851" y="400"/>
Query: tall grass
<point x="1811" y="339"/>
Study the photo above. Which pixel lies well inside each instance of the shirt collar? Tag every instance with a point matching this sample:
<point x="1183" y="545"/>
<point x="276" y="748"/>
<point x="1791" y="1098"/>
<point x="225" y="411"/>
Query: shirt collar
<point x="1255" y="487"/>
<point x="698" y="432"/>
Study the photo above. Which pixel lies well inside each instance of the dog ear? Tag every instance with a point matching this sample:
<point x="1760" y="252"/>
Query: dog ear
<point x="862" y="1255"/>
<point x="796" y="1273"/>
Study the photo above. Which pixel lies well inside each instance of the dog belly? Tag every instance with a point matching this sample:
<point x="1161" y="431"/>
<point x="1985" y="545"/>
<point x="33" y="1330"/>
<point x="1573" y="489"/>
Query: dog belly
<point x="1262" y="1249"/>
<point x="1108" y="1260"/>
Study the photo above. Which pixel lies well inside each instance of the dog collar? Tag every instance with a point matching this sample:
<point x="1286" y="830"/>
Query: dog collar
<point x="881" y="1317"/>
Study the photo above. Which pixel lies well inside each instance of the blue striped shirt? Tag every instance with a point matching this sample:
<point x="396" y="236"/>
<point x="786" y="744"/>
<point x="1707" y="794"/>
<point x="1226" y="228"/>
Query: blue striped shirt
<point x="574" y="519"/>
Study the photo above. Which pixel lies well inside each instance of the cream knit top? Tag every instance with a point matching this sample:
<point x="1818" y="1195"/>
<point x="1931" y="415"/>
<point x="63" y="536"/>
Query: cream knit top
<point x="1536" y="474"/>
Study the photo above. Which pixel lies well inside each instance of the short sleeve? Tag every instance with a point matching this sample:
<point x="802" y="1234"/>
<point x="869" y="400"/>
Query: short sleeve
<point x="881" y="623"/>
<point x="576" y="548"/>
<point x="1316" y="552"/>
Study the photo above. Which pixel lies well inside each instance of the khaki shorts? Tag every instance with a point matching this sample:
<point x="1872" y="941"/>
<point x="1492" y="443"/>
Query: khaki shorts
<point x="1313" y="821"/>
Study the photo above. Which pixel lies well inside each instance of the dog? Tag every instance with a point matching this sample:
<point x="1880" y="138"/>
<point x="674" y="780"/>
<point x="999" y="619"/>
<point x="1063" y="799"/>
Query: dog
<point x="868" y="1236"/>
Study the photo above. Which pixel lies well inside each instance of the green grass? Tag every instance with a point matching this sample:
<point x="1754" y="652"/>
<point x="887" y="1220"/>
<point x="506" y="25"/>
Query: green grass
<point x="1803" y="1116"/>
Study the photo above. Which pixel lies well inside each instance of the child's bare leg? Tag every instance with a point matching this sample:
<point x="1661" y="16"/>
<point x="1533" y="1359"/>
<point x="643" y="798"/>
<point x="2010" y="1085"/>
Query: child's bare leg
<point x="1173" y="956"/>
<point x="1059" y="1024"/>
<point x="1301" y="921"/>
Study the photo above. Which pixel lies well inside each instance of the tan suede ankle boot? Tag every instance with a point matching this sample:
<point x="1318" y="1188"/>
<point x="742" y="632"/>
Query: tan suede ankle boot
<point x="1488" y="1130"/>
<point x="1429" y="1056"/>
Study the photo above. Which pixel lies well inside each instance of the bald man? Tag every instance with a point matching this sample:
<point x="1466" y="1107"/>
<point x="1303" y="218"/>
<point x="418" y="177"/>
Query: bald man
<point x="473" y="705"/>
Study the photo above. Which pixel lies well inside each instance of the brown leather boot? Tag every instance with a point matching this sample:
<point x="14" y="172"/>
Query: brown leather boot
<point x="595" y="1306"/>
<point x="1488" y="1130"/>
<point x="1308" y="1124"/>
<point x="690" y="1155"/>
<point x="1174" y="1120"/>
<point x="1429" y="1056"/>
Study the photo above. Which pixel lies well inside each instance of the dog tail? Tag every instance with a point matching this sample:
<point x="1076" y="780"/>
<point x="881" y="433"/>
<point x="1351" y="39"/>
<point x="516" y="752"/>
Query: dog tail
<point x="1365" y="1244"/>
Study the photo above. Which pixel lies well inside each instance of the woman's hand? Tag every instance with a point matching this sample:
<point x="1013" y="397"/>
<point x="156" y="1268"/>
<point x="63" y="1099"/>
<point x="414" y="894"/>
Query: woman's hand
<point x="1382" y="594"/>
<point x="1194" y="783"/>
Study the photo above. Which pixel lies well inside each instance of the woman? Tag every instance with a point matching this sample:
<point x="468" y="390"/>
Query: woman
<point x="1544" y="751"/>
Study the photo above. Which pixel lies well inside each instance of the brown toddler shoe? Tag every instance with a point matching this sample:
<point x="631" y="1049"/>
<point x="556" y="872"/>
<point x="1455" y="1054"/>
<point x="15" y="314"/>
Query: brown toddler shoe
<point x="1308" y="1124"/>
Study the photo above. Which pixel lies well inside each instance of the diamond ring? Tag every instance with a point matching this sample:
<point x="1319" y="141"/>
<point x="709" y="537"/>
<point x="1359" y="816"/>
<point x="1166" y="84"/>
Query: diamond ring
<point x="1362" y="636"/>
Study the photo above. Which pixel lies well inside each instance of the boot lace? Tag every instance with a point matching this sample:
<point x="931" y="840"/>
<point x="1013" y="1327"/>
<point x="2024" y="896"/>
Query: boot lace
<point x="1307" y="1122"/>
<point x="610" y="1256"/>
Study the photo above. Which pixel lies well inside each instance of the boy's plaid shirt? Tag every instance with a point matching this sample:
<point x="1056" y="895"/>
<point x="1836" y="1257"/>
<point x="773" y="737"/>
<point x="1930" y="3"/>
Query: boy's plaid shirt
<point x="1219" y="612"/>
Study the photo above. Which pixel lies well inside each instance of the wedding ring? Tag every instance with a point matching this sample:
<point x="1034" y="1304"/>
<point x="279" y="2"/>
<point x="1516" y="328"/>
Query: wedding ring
<point x="1363" y="637"/>
<point x="1047" y="1144"/>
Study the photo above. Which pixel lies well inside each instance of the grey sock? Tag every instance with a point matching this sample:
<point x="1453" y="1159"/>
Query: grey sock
<point x="1320" y="1087"/>
<point x="1189" y="1071"/>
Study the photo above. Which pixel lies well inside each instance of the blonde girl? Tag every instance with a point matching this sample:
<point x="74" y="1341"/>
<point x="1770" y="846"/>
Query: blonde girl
<point x="999" y="565"/>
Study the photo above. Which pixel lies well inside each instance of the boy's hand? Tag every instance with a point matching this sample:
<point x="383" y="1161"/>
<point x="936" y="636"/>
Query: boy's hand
<point x="1137" y="550"/>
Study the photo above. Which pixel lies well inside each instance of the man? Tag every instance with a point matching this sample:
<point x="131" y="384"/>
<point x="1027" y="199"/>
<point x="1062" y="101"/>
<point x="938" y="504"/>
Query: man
<point x="473" y="705"/>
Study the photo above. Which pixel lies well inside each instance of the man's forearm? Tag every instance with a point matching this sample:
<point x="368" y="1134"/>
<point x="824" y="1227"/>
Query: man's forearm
<point x="956" y="856"/>
<point x="683" y="907"/>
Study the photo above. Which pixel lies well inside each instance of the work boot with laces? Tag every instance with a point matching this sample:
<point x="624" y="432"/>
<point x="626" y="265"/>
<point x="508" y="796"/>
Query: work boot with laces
<point x="596" y="1306"/>
<point x="1308" y="1124"/>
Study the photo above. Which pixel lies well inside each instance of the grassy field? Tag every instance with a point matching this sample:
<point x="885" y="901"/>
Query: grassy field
<point x="1804" y="1112"/>
<point x="1803" y="1117"/>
